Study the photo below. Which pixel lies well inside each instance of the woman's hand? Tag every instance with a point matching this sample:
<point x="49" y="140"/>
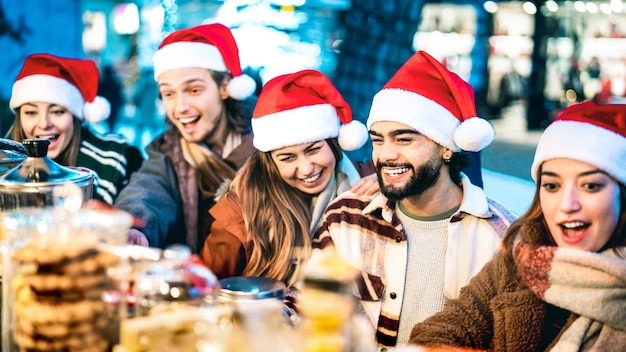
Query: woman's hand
<point x="368" y="185"/>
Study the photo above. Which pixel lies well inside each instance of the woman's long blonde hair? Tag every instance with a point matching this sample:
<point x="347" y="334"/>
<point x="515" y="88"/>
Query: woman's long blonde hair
<point x="277" y="218"/>
<point x="67" y="157"/>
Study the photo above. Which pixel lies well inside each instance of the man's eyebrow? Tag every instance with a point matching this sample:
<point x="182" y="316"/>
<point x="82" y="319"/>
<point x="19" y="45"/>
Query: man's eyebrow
<point x="189" y="81"/>
<point x="395" y="133"/>
<point x="406" y="131"/>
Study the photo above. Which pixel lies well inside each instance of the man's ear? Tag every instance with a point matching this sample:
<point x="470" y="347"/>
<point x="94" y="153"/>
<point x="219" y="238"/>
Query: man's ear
<point x="224" y="88"/>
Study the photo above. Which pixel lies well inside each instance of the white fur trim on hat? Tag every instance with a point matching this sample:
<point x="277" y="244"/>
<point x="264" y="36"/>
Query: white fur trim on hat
<point x="414" y="110"/>
<point x="602" y="148"/>
<point x="188" y="54"/>
<point x="295" y="126"/>
<point x="352" y="135"/>
<point x="47" y="89"/>
<point x="241" y="87"/>
<point x="98" y="110"/>
<point x="474" y="134"/>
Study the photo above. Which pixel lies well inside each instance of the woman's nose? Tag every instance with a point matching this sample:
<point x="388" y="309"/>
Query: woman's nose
<point x="305" y="166"/>
<point x="44" y="120"/>
<point x="569" y="200"/>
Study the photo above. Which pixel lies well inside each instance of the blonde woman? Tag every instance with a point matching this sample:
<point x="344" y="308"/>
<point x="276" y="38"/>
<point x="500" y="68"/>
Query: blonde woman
<point x="55" y="98"/>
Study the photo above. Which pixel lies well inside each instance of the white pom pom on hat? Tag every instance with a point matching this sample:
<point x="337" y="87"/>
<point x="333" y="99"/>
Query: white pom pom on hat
<point x="211" y="46"/>
<point x="473" y="134"/>
<point x="426" y="96"/>
<point x="303" y="107"/>
<point x="98" y="110"/>
<point x="71" y="83"/>
<point x="241" y="87"/>
<point x="352" y="135"/>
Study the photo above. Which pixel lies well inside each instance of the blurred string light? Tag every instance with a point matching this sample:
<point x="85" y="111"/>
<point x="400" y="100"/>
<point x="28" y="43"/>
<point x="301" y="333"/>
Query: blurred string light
<point x="605" y="8"/>
<point x="490" y="6"/>
<point x="580" y="6"/>
<point x="126" y="19"/>
<point x="592" y="7"/>
<point x="552" y="6"/>
<point x="529" y="8"/>
<point x="617" y="6"/>
<point x="170" y="18"/>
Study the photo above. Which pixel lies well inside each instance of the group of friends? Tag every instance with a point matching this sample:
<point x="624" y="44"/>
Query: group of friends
<point x="258" y="185"/>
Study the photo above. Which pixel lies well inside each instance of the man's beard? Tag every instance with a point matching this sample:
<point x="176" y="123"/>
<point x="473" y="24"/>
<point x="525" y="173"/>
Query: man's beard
<point x="425" y="177"/>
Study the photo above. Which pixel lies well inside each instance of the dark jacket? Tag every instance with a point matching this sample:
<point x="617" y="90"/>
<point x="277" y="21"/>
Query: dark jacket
<point x="164" y="192"/>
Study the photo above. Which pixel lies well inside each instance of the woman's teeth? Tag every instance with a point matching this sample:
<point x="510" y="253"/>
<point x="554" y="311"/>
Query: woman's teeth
<point x="187" y="120"/>
<point x="50" y="136"/>
<point x="312" y="178"/>
<point x="395" y="172"/>
<point x="573" y="226"/>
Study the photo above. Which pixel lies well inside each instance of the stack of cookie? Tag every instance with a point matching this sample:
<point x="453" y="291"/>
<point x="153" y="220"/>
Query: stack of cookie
<point x="58" y="297"/>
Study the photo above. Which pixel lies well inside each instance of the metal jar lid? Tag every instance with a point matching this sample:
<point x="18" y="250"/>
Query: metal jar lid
<point x="38" y="172"/>
<point x="251" y="288"/>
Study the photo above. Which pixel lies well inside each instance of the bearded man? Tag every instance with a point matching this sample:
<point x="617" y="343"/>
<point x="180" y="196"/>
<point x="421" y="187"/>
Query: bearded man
<point x="429" y="230"/>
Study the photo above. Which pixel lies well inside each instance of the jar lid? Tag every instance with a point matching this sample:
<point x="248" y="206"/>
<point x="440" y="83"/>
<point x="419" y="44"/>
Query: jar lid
<point x="39" y="170"/>
<point x="251" y="288"/>
<point x="11" y="154"/>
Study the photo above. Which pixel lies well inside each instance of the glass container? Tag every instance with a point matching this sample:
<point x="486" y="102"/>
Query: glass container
<point x="56" y="271"/>
<point x="175" y="306"/>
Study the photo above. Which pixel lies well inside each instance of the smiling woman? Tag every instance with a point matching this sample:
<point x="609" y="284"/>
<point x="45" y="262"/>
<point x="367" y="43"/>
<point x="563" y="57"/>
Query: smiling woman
<point x="54" y="98"/>
<point x="559" y="280"/>
<point x="263" y="225"/>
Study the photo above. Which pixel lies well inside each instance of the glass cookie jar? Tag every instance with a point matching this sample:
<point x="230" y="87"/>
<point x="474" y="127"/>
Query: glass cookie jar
<point x="55" y="275"/>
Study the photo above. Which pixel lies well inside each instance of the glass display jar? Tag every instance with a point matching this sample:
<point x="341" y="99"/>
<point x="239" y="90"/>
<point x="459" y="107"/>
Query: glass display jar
<point x="178" y="279"/>
<point x="55" y="274"/>
<point x="258" y="319"/>
<point x="175" y="305"/>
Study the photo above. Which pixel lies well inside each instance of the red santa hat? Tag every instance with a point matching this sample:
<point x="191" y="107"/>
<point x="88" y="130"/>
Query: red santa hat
<point x="303" y="107"/>
<point x="210" y="46"/>
<point x="71" y="83"/>
<point x="426" y="96"/>
<point x="587" y="132"/>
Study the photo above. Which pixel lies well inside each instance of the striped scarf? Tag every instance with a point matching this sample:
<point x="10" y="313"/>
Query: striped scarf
<point x="590" y="285"/>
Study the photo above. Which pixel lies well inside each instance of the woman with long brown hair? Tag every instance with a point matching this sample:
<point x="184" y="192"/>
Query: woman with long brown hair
<point x="559" y="282"/>
<point x="55" y="98"/>
<point x="264" y="223"/>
